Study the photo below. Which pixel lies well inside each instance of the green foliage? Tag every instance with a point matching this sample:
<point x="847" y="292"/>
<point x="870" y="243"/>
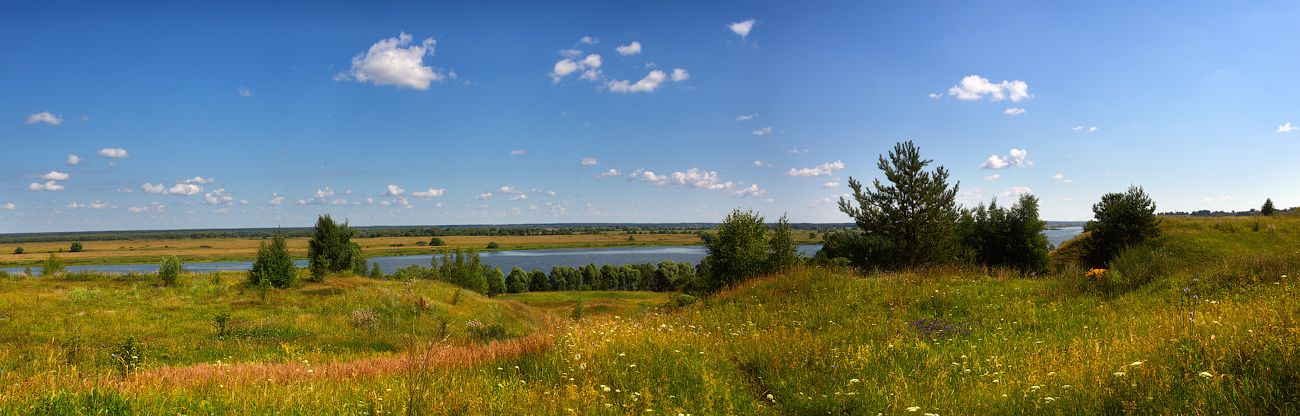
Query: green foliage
<point x="1120" y="220"/>
<point x="221" y="321"/>
<point x="517" y="281"/>
<point x="128" y="355"/>
<point x="169" y="270"/>
<point x="358" y="260"/>
<point x="331" y="248"/>
<point x="496" y="282"/>
<point x="375" y="273"/>
<point x="909" y="222"/>
<point x="739" y="252"/>
<point x="461" y="268"/>
<point x="492" y="245"/>
<point x="18" y="250"/>
<point x="76" y="247"/>
<point x="1012" y="237"/>
<point x="52" y="266"/>
<point x="784" y="250"/>
<point x="577" y="313"/>
<point x="273" y="266"/>
<point x="436" y="242"/>
<point x="1267" y="209"/>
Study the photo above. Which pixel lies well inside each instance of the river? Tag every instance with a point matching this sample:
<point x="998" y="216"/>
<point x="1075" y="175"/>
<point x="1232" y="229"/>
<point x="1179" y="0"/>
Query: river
<point x="506" y="260"/>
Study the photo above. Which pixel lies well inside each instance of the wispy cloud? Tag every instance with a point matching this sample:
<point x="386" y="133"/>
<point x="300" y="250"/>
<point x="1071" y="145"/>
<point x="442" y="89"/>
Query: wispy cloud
<point x="825" y="169"/>
<point x="795" y="150"/>
<point x="612" y="173"/>
<point x="762" y="131"/>
<point x="1015" y="191"/>
<point x="518" y="152"/>
<point x="761" y="163"/>
<point x="74" y="160"/>
<point x="746" y="117"/>
<point x="1286" y="128"/>
<point x="245" y="92"/>
<point x="1014" y="111"/>
<point x="48" y="186"/>
<point x="431" y="193"/>
<point x="589" y="40"/>
<point x="993" y="177"/>
<point x="589" y="161"/>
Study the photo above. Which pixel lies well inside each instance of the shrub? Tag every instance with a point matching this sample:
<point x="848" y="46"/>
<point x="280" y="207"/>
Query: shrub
<point x="1135" y="266"/>
<point x="221" y="322"/>
<point x="493" y="245"/>
<point x="128" y="355"/>
<point x="52" y="266"/>
<point x="273" y="266"/>
<point x="375" y="273"/>
<point x="1121" y="220"/>
<point x="1012" y="237"/>
<point x="485" y="333"/>
<point x="365" y="318"/>
<point x="76" y="247"/>
<point x="436" y="242"/>
<point x="577" y="313"/>
<point x="739" y="252"/>
<point x="1267" y="209"/>
<point x="169" y="270"/>
<point x="18" y="250"/>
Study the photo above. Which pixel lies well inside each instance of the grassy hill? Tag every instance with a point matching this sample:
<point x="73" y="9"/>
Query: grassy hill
<point x="1219" y="334"/>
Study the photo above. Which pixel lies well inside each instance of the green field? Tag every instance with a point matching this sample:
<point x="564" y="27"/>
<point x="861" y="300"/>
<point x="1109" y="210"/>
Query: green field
<point x="1217" y="333"/>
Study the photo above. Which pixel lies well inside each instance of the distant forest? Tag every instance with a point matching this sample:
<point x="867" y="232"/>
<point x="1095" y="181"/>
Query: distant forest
<point x="1208" y="213"/>
<point x="398" y="231"/>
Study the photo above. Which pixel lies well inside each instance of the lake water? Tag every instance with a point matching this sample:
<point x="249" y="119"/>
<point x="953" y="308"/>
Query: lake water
<point x="1061" y="235"/>
<point x="506" y="260"/>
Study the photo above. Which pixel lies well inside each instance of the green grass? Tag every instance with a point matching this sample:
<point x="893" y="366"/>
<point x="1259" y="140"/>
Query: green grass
<point x="1219" y="335"/>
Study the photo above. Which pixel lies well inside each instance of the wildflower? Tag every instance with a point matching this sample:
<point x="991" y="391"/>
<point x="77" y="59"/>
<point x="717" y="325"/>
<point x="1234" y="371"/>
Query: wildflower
<point x="1135" y="364"/>
<point x="1119" y="374"/>
<point x="1049" y="399"/>
<point x="913" y="408"/>
<point x="604" y="387"/>
<point x="851" y="381"/>
<point x="1206" y="374"/>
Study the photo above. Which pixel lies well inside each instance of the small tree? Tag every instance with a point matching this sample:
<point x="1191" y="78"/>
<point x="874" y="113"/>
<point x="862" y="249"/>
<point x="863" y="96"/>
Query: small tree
<point x="330" y="248"/>
<point x="436" y="242"/>
<point x="1000" y="236"/>
<point x="1268" y="209"/>
<point x="1120" y="220"/>
<point x="785" y="251"/>
<point x="738" y="252"/>
<point x="169" y="270"/>
<point x="911" y="221"/>
<point x="52" y="266"/>
<point x="76" y="247"/>
<point x="273" y="266"/>
<point x="492" y="245"/>
<point x="375" y="273"/>
<point x="517" y="281"/>
<point x="18" y="250"/>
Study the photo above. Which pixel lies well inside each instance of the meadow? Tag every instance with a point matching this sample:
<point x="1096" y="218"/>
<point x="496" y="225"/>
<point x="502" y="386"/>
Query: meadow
<point x="1215" y="331"/>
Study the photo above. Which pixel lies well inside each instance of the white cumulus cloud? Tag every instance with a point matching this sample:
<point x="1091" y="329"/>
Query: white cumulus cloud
<point x="431" y="193"/>
<point x="1016" y="158"/>
<point x="975" y="87"/>
<point x="150" y="188"/>
<point x="632" y="49"/>
<point x="589" y="161"/>
<point x="590" y="64"/>
<point x="509" y="190"/>
<point x="519" y="198"/>
<point x="394" y="61"/>
<point x="198" y="180"/>
<point x="1014" y="111"/>
<point x="114" y="153"/>
<point x="219" y="197"/>
<point x="742" y="28"/>
<point x="9" y="206"/>
<point x="825" y="169"/>
<point x="45" y="117"/>
<point x="762" y="131"/>
<point x="484" y="196"/>
<point x="795" y="150"/>
<point x="185" y="189"/>
<point x="693" y="178"/>
<point x="647" y="84"/>
<point x="589" y="40"/>
<point x="276" y="199"/>
<point x="1092" y="129"/>
<point x="1286" y="128"/>
<point x="48" y="186"/>
<point x="74" y="160"/>
<point x="680" y="75"/>
<point x="830" y="185"/>
<point x="55" y="176"/>
<point x="758" y="163"/>
<point x="751" y="192"/>
<point x="612" y="173"/>
<point x="393" y="190"/>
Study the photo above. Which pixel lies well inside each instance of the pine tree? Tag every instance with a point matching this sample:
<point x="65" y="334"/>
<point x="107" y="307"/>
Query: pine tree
<point x="1268" y="207"/>
<point x="911" y="221"/>
<point x="1120" y="221"/>
<point x="784" y="250"/>
<point x="273" y="266"/>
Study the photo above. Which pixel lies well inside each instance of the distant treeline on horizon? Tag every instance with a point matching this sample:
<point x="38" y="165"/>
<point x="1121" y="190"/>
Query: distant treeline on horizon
<point x="396" y="231"/>
<point x="1208" y="213"/>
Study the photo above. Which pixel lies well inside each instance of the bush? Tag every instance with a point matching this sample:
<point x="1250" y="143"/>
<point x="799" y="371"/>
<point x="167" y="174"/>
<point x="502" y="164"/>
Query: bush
<point x="436" y="242"/>
<point x="998" y="236"/>
<point x="18" y="250"/>
<point x="738" y="253"/>
<point x="128" y="355"/>
<point x="1135" y="266"/>
<point x="76" y="247"/>
<point x="273" y="266"/>
<point x="169" y="270"/>
<point x="52" y="266"/>
<point x="1121" y="221"/>
<point x="493" y="245"/>
<point x="375" y="273"/>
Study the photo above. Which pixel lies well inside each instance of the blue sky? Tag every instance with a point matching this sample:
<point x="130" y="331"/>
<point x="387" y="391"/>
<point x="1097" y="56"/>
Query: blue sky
<point x="166" y="116"/>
